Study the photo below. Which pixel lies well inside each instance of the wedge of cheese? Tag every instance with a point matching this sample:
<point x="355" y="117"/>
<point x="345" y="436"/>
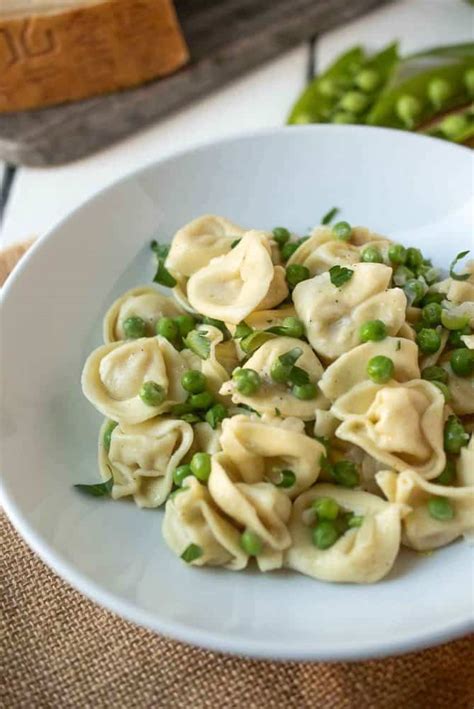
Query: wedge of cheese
<point x="52" y="51"/>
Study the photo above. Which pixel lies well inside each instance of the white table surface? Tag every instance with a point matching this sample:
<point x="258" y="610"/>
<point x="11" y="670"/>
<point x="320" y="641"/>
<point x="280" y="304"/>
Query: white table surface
<point x="41" y="197"/>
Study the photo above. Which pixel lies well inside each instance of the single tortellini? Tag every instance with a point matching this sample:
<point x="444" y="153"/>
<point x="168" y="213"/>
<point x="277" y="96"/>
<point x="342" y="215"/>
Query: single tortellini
<point x="333" y="315"/>
<point x="363" y="554"/>
<point x="196" y="243"/>
<point x="259" y="507"/>
<point x="144" y="302"/>
<point x="461" y="390"/>
<point x="141" y="458"/>
<point x="273" y="398"/>
<point x="399" y="425"/>
<point x="113" y="375"/>
<point x="261" y="450"/>
<point x="323" y="250"/>
<point x="421" y="531"/>
<point x="232" y="286"/>
<point x="192" y="518"/>
<point x="351" y="368"/>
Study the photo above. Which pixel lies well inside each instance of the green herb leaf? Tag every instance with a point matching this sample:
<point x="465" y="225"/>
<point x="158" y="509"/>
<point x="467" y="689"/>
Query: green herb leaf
<point x="163" y="276"/>
<point x="340" y="275"/>
<point x="217" y="323"/>
<point x="198" y="343"/>
<point x="457" y="276"/>
<point x="329" y="216"/>
<point x="242" y="330"/>
<point x="234" y="243"/>
<point x="161" y="250"/>
<point x="252" y="342"/>
<point x="191" y="418"/>
<point x="97" y="489"/>
<point x="277" y="411"/>
<point x="298" y="376"/>
<point x="399" y="346"/>
<point x="289" y="358"/>
<point x="191" y="553"/>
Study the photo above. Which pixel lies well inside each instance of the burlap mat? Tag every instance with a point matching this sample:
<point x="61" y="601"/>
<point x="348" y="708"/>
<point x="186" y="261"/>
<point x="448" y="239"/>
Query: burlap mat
<point x="60" y="650"/>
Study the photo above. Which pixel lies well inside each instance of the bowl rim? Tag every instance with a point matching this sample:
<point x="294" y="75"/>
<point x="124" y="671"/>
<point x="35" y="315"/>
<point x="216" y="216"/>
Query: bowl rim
<point x="421" y="638"/>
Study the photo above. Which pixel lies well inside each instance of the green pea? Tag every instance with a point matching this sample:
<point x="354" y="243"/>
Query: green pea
<point x="372" y="331"/>
<point x="443" y="389"/>
<point x="380" y="369"/>
<point x="204" y="400"/>
<point x="325" y="535"/>
<point x="354" y="102"/>
<point x="408" y="109"/>
<point x="168" y="328"/>
<point x="469" y="81"/>
<point x="296" y="273"/>
<point x="462" y="362"/>
<point x="345" y="473"/>
<point x="435" y="374"/>
<point x="328" y="88"/>
<point x="431" y="314"/>
<point x="281" y="235"/>
<point x="185" y="324"/>
<point x="402" y="275"/>
<point x="397" y="253"/>
<point x="193" y="381"/>
<point x="251" y="543"/>
<point x="152" y="394"/>
<point x="288" y="250"/>
<point x="280" y="372"/>
<point x="448" y="474"/>
<point x="371" y="254"/>
<point x="293" y="326"/>
<point x="107" y="436"/>
<point x="247" y="381"/>
<point x="216" y="415"/>
<point x="287" y="479"/>
<point x="429" y="274"/>
<point x="367" y="79"/>
<point x="414" y="258"/>
<point x="342" y="231"/>
<point x="439" y="90"/>
<point x="453" y="321"/>
<point x="428" y="340"/>
<point x="440" y="509"/>
<point x="201" y="466"/>
<point x="355" y="521"/>
<point x="344" y="118"/>
<point x="304" y="391"/>
<point x="326" y="508"/>
<point x="454" y="337"/>
<point x="455" y="436"/>
<point x="180" y="473"/>
<point x="454" y="125"/>
<point x="414" y="291"/>
<point x="134" y="327"/>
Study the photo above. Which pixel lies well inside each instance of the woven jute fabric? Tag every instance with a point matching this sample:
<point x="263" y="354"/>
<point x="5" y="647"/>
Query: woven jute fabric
<point x="59" y="650"/>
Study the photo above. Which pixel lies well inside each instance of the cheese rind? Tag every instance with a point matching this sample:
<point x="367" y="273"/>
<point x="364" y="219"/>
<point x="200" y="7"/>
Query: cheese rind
<point x="59" y="55"/>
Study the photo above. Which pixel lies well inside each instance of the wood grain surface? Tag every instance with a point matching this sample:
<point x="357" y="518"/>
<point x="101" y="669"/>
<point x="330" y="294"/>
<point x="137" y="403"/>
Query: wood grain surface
<point x="225" y="39"/>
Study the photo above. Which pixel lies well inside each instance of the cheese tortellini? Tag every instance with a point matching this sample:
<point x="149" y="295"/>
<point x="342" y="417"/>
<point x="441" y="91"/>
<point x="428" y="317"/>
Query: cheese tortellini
<point x="307" y="403"/>
<point x="333" y="315"/>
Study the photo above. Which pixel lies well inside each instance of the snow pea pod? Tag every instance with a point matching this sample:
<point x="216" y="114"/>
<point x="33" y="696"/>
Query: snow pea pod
<point x="345" y="92"/>
<point x="414" y="102"/>
<point x="464" y="50"/>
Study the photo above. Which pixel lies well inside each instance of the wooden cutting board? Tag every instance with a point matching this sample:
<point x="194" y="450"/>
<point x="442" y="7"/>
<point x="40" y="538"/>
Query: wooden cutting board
<point x="225" y="37"/>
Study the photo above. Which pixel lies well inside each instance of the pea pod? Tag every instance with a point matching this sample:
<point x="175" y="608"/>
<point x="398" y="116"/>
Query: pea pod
<point x="345" y="92"/>
<point x="409" y="104"/>
<point x="315" y="103"/>
<point x="457" y="127"/>
<point x="454" y="51"/>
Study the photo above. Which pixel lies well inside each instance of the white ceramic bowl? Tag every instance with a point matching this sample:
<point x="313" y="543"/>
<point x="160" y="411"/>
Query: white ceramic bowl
<point x="416" y="190"/>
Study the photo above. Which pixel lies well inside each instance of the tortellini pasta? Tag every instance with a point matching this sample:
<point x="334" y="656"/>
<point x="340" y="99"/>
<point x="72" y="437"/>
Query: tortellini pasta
<point x="141" y="458"/>
<point x="400" y="425"/>
<point x="262" y="449"/>
<point x="144" y="302"/>
<point x="333" y="315"/>
<point x="280" y="425"/>
<point x="114" y="374"/>
<point x="421" y="530"/>
<point x="361" y="555"/>
<point x="273" y="398"/>
<point x="191" y="518"/>
<point x="232" y="286"/>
